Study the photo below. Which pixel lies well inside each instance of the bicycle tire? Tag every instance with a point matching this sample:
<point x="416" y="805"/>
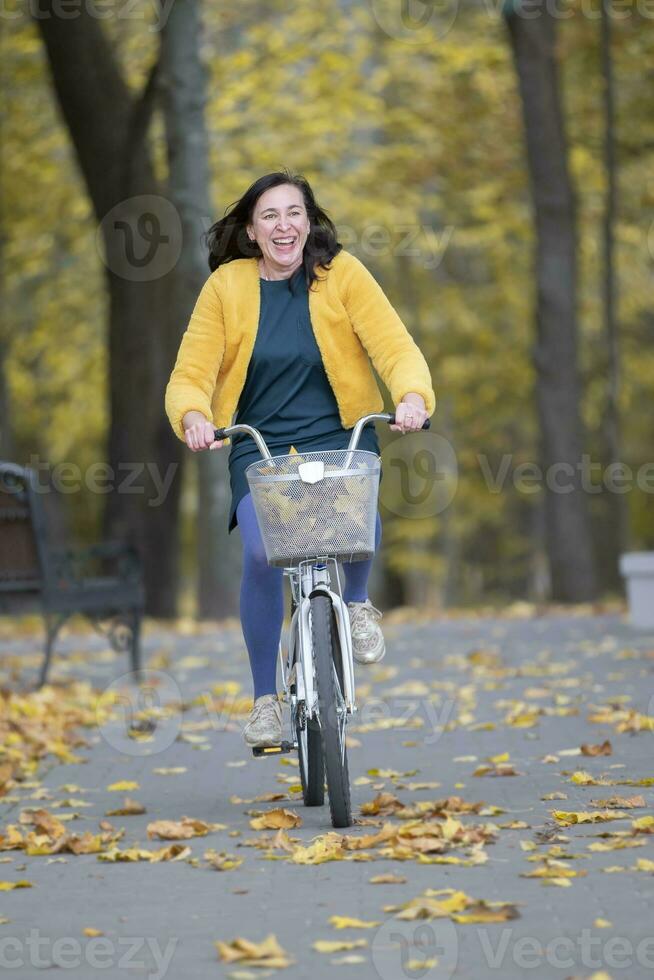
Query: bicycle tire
<point x="312" y="770"/>
<point x="326" y="652"/>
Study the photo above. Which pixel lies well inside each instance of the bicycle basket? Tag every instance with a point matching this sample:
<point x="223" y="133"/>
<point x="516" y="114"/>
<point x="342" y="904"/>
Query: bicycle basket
<point x="314" y="505"/>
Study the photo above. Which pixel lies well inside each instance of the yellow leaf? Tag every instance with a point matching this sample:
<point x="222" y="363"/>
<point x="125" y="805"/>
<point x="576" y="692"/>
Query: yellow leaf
<point x="267" y="953"/>
<point x="123" y="786"/>
<point x="90" y="931"/>
<point x="44" y="822"/>
<point x="6" y="886"/>
<point x="526" y="719"/>
<point x="484" y="913"/>
<point x="336" y="945"/>
<point x="344" y="922"/>
<point x="129" y="808"/>
<point x="221" y="861"/>
<point x="181" y="829"/>
<point x="582" y="778"/>
<point x="567" y="818"/>
<point x="323" y="849"/>
<point x="276" y="819"/>
<point x="602" y="923"/>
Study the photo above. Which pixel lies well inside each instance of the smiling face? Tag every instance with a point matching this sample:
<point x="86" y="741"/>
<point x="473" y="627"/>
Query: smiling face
<point x="280" y="227"/>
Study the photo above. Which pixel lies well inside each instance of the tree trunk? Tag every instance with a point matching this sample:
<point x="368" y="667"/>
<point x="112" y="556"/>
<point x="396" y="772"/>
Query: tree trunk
<point x="108" y="130"/>
<point x="617" y="503"/>
<point x="6" y="439"/>
<point x="184" y="84"/>
<point x="558" y="389"/>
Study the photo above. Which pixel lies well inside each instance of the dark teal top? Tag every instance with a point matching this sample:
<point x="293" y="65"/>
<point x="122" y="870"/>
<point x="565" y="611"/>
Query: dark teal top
<point x="287" y="394"/>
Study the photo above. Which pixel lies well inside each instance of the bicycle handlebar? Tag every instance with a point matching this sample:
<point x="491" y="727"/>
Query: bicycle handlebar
<point x="228" y="431"/>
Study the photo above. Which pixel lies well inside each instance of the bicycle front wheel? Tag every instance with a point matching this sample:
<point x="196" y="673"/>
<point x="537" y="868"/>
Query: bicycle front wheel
<point x="331" y="702"/>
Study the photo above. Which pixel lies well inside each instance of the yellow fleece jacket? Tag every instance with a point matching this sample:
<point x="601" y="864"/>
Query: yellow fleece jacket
<point x="351" y="319"/>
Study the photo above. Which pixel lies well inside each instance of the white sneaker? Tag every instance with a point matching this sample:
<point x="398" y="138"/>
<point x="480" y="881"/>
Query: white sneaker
<point x="264" y="726"/>
<point x="368" y="645"/>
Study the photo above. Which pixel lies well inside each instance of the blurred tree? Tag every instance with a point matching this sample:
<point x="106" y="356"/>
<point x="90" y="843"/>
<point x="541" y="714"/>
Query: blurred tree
<point x="568" y="532"/>
<point x="6" y="437"/>
<point x="416" y="147"/>
<point x="618" y="524"/>
<point x="182" y="80"/>
<point x="109" y="128"/>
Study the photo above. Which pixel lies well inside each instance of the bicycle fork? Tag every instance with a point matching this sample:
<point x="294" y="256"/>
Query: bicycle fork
<point x="312" y="579"/>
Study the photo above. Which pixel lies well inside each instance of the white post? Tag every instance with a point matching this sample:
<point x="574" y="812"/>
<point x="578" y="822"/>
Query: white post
<point x="637" y="568"/>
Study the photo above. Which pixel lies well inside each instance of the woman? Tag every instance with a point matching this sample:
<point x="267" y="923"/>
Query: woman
<point x="281" y="334"/>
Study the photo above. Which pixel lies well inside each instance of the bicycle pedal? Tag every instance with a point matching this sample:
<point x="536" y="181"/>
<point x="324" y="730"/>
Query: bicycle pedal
<point x="273" y="749"/>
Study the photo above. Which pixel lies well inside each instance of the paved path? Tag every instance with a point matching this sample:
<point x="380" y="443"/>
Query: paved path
<point x="456" y="684"/>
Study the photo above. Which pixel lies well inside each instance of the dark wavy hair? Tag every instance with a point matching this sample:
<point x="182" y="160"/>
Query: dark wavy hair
<point x="227" y="239"/>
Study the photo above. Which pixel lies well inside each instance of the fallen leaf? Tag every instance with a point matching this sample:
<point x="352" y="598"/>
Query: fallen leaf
<point x="617" y="801"/>
<point x="387" y="879"/>
<point x="181" y="829"/>
<point x="567" y="818"/>
<point x="276" y="819"/>
<point x="605" y="748"/>
<point x="44" y="822"/>
<point x="268" y="953"/>
<point x="174" y="852"/>
<point x="128" y="809"/>
<point x="123" y="786"/>
<point x="344" y="922"/>
<point x="328" y="848"/>
<point x="336" y="945"/>
<point x="221" y="861"/>
<point x="502" y="769"/>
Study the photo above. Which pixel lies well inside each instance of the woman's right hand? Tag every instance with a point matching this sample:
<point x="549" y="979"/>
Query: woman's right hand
<point x="199" y="433"/>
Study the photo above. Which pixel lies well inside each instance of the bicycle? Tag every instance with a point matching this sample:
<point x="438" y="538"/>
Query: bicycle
<point x="316" y="509"/>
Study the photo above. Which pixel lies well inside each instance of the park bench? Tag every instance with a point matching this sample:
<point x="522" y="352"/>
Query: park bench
<point x="103" y="582"/>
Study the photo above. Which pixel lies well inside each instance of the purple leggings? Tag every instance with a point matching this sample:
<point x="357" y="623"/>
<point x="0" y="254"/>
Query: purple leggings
<point x="262" y="597"/>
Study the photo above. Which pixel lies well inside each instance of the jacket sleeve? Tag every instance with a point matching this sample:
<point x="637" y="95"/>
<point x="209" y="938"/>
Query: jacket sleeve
<point x="394" y="354"/>
<point x="193" y="380"/>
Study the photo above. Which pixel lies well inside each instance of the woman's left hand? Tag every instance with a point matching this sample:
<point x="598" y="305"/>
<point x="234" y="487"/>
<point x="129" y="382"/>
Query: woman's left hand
<point x="410" y="414"/>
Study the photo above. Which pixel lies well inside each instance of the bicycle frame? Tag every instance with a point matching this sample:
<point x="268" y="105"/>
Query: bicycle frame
<point x="306" y="579"/>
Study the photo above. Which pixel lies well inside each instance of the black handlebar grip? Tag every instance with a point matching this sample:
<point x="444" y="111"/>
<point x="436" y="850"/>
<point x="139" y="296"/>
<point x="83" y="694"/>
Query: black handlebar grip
<point x="425" y="425"/>
<point x="220" y="434"/>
